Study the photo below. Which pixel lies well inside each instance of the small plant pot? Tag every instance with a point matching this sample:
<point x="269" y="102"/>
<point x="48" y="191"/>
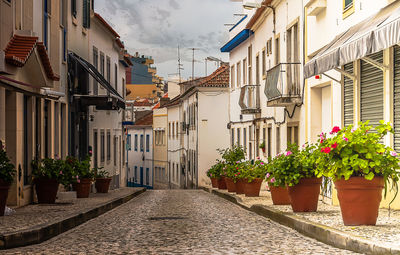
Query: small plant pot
<point x="46" y="190"/>
<point x="214" y="182"/>
<point x="221" y="183"/>
<point x="279" y="195"/>
<point x="231" y="186"/>
<point x="304" y="195"/>
<point x="263" y="150"/>
<point x="102" y="185"/>
<point x="359" y="200"/>
<point x="240" y="186"/>
<point x="252" y="189"/>
<point x="3" y="196"/>
<point x="83" y="188"/>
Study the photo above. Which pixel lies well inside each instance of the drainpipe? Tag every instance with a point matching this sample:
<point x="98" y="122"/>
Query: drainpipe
<point x="197" y="139"/>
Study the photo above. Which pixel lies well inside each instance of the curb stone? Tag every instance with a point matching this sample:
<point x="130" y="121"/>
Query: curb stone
<point x="46" y="231"/>
<point x="322" y="233"/>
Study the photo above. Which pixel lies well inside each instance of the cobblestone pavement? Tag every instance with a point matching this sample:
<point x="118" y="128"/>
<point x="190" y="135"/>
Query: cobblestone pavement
<point x="179" y="222"/>
<point x="33" y="216"/>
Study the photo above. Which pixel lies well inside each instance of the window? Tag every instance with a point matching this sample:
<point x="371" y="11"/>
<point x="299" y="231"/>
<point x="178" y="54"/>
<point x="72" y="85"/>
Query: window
<point x="269" y="144"/>
<point x="108" y="69"/>
<point x="73" y="8"/>
<point x="233" y="137"/>
<point x="136" y="142"/>
<point x="173" y="129"/>
<point x="169" y="130"/>
<point x="278" y="140"/>
<point x="238" y="136"/>
<point x="348" y="8"/>
<point x="233" y="76"/>
<point x="293" y="134"/>
<point x="96" y="64"/>
<point x="292" y="47"/>
<point x="102" y="63"/>
<point x="269" y="47"/>
<point x="245" y="140"/>
<point x="258" y="69"/>
<point x="108" y="145"/>
<point x="244" y="71"/>
<point x="277" y="51"/>
<point x="135" y="178"/>
<point x="102" y="146"/>
<point x="238" y="71"/>
<point x="264" y="64"/>
<point x="123" y="88"/>
<point x="86" y="14"/>
<point x="147" y="143"/>
<point x="115" y="149"/>
<point x="95" y="148"/>
<point x="347" y="4"/>
<point x="176" y="129"/>
<point x="250" y="59"/>
<point x="264" y="137"/>
<point x="257" y="142"/>
<point x="141" y="143"/>
<point x="147" y="176"/>
<point x="46" y="23"/>
<point x="116" y="76"/>
<point x="63" y="23"/>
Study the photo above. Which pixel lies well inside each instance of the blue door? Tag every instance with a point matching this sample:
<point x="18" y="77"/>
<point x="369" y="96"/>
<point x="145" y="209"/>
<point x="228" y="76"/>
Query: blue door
<point x="141" y="176"/>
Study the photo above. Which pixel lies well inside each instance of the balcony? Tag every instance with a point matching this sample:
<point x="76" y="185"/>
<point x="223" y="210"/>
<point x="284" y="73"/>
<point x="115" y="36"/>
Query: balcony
<point x="249" y="99"/>
<point x="282" y="86"/>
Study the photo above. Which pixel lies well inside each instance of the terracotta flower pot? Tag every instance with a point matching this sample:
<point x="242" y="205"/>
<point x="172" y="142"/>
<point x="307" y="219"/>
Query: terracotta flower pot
<point x="3" y="195"/>
<point x="102" y="185"/>
<point x="263" y="150"/>
<point x="46" y="190"/>
<point x="279" y="195"/>
<point x="230" y="184"/>
<point x="359" y="200"/>
<point x="83" y="188"/>
<point x="304" y="195"/>
<point x="214" y="182"/>
<point x="240" y="186"/>
<point x="252" y="189"/>
<point x="221" y="183"/>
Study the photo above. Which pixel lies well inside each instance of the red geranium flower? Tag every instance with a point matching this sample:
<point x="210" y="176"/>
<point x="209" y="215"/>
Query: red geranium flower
<point x="334" y="145"/>
<point x="335" y="129"/>
<point x="326" y="150"/>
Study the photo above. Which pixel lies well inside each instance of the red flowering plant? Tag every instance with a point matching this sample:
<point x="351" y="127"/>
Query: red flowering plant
<point x="252" y="170"/>
<point x="358" y="152"/>
<point x="215" y="170"/>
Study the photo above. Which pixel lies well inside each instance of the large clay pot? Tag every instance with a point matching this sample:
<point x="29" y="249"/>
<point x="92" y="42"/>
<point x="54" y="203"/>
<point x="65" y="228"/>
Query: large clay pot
<point x="231" y="186"/>
<point x="83" y="188"/>
<point x="304" y="195"/>
<point x="240" y="186"/>
<point x="3" y="195"/>
<point x="214" y="182"/>
<point x="221" y="183"/>
<point x="102" y="185"/>
<point x="359" y="200"/>
<point x="279" y="195"/>
<point x="252" y="189"/>
<point x="46" y="190"/>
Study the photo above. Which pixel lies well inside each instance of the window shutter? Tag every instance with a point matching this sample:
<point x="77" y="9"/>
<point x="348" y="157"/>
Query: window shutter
<point x="86" y="13"/>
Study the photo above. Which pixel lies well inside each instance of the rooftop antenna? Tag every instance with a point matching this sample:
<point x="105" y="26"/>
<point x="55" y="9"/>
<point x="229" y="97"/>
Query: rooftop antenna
<point x="179" y="65"/>
<point x="193" y="49"/>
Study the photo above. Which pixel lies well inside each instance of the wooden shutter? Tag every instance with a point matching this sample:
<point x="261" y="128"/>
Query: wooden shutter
<point x="396" y="98"/>
<point x="348" y="96"/>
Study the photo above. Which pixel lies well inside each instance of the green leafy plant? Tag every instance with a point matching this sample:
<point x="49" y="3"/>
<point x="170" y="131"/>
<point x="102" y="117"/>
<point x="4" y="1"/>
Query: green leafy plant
<point x="215" y="170"/>
<point x="7" y="169"/>
<point x="232" y="155"/>
<point x="358" y="152"/>
<point x="262" y="145"/>
<point x="99" y="172"/>
<point x="253" y="170"/>
<point x="80" y="168"/>
<point x="292" y="166"/>
<point x="52" y="169"/>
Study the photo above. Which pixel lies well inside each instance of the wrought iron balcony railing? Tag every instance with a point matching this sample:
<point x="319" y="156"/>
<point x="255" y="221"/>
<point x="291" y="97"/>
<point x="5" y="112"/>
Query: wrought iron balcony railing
<point x="249" y="99"/>
<point x="283" y="85"/>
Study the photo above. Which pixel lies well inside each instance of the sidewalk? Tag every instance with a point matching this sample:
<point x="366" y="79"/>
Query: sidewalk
<point x="36" y="223"/>
<point x="326" y="224"/>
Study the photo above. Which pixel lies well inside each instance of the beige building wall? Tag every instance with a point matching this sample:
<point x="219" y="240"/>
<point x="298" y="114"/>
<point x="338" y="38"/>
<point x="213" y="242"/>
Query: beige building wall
<point x="160" y="148"/>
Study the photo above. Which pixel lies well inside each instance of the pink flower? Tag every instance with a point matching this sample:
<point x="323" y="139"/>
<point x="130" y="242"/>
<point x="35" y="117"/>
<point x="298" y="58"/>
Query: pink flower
<point x="272" y="180"/>
<point x="60" y="172"/>
<point x="335" y="129"/>
<point x="393" y="153"/>
<point x="334" y="145"/>
<point x="77" y="177"/>
<point x="237" y="168"/>
<point x="262" y="163"/>
<point x="326" y="150"/>
<point x="288" y="153"/>
<point x="78" y="181"/>
<point x="235" y="174"/>
<point x="352" y="130"/>
<point x="345" y="138"/>
<point x="268" y="175"/>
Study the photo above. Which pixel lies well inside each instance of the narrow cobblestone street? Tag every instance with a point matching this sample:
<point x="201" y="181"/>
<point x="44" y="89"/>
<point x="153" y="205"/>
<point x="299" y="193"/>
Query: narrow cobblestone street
<point x="179" y="222"/>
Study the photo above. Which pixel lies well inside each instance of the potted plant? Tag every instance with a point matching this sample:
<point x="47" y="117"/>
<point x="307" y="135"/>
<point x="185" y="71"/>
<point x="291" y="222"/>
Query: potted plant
<point x="84" y="176"/>
<point x="262" y="146"/>
<point x="7" y="172"/>
<point x="253" y="175"/>
<point x="47" y="174"/>
<point x="360" y="167"/>
<point x="103" y="180"/>
<point x="230" y="158"/>
<point x="277" y="184"/>
<point x="238" y="177"/>
<point x="230" y="180"/>
<point x="214" y="173"/>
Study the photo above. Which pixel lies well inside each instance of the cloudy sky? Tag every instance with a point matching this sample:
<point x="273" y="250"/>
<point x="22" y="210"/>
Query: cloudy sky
<point x="157" y="27"/>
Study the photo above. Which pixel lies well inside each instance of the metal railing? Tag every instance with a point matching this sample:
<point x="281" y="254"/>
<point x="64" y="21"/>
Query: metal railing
<point x="283" y="81"/>
<point x="249" y="99"/>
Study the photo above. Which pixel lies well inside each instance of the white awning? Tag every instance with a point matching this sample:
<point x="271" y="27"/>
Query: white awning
<point x="378" y="32"/>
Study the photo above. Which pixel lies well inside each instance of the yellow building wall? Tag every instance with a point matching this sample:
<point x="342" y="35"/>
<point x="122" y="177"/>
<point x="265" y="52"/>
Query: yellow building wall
<point x="142" y="91"/>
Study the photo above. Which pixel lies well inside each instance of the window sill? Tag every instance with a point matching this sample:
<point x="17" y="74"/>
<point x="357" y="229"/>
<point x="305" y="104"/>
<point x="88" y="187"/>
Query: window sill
<point x="84" y="31"/>
<point x="9" y="3"/>
<point x="348" y="12"/>
<point x="74" y="21"/>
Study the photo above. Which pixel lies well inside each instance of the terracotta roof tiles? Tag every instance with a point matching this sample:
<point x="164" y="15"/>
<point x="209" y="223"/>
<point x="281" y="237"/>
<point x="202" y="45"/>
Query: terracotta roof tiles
<point x="106" y="24"/>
